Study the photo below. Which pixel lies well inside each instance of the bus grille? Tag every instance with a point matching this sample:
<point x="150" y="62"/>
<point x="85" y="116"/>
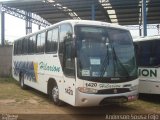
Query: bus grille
<point x="113" y="91"/>
<point x="109" y="100"/>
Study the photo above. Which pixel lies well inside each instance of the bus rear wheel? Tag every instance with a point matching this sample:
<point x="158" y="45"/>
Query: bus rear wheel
<point x="54" y="95"/>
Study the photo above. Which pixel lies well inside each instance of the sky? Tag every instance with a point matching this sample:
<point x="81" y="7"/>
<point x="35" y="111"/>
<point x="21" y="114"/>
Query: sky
<point x="15" y="28"/>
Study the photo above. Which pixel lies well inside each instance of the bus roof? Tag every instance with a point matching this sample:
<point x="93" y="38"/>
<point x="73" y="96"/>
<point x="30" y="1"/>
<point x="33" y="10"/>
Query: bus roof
<point x="76" y="22"/>
<point x="147" y="38"/>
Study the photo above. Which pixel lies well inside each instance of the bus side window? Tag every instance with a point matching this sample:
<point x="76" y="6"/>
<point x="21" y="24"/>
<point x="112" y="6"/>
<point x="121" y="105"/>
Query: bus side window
<point x="63" y="30"/>
<point x="136" y="49"/>
<point x="147" y="53"/>
<point x="52" y="40"/>
<point x="19" y="47"/>
<point x="65" y="50"/>
<point x="155" y="58"/>
<point x="25" y="46"/>
<point x="32" y="44"/>
<point x="152" y="58"/>
<point x="15" y="48"/>
<point x="40" y="42"/>
<point x="68" y="58"/>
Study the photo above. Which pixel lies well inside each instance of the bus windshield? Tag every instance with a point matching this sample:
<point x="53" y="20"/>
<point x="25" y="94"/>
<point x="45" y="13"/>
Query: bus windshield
<point x="104" y="52"/>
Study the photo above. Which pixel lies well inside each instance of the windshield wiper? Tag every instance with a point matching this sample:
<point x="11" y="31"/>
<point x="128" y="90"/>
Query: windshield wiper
<point x="119" y="62"/>
<point x="105" y="64"/>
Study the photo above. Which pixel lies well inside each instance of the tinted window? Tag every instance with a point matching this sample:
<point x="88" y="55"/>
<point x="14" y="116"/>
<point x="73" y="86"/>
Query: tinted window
<point x="148" y="53"/>
<point x="52" y="39"/>
<point x="68" y="58"/>
<point x="19" y="46"/>
<point x="65" y="50"/>
<point x="32" y="45"/>
<point x="104" y="52"/>
<point x="65" y="32"/>
<point x="25" y="46"/>
<point x="15" y="47"/>
<point x="40" y="42"/>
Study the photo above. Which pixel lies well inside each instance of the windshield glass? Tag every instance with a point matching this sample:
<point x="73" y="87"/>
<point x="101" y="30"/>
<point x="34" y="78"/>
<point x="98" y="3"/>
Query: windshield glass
<point x="104" y="52"/>
<point x="123" y="51"/>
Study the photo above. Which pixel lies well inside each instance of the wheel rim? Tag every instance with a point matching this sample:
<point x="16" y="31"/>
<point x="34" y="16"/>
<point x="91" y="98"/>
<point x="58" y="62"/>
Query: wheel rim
<point x="55" y="94"/>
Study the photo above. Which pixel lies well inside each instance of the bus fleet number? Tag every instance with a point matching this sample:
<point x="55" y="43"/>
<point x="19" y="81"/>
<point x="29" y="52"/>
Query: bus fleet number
<point x="91" y="84"/>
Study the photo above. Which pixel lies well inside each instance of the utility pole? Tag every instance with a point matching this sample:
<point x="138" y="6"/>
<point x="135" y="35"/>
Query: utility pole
<point x="144" y="17"/>
<point x="2" y="25"/>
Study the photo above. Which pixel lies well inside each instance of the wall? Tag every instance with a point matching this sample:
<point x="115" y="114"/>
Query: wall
<point x="5" y="61"/>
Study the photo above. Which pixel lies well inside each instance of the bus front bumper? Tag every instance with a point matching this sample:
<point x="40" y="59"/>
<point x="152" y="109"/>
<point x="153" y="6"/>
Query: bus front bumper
<point x="84" y="99"/>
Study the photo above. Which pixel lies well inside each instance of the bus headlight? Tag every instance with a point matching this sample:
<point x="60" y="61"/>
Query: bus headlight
<point x="87" y="90"/>
<point x="134" y="88"/>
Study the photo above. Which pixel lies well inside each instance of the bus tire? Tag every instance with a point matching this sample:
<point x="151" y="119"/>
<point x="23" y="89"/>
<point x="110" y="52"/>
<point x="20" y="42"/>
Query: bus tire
<point x="21" y="80"/>
<point x="54" y="95"/>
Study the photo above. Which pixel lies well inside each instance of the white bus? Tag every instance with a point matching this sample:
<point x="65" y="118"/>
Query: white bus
<point x="79" y="62"/>
<point x="148" y="60"/>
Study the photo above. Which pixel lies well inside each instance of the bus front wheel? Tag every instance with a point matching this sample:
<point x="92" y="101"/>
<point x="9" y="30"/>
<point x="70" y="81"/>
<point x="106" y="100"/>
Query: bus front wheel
<point x="54" y="94"/>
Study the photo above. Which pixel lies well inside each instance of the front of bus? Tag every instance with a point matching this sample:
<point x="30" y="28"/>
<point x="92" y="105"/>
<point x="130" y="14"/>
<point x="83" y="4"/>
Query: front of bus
<point x="106" y="67"/>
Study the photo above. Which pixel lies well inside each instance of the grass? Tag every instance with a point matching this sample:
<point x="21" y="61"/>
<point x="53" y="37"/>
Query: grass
<point x="10" y="90"/>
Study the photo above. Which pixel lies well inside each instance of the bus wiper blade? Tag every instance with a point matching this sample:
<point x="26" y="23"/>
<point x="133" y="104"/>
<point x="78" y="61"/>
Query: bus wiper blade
<point x="105" y="64"/>
<point x="119" y="62"/>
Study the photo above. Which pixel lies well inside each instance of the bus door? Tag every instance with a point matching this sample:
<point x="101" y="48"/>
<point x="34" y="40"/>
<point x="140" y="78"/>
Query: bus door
<point x="67" y="62"/>
<point x="69" y="73"/>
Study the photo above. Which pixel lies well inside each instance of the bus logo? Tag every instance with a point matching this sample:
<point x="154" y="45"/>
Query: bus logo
<point x="46" y="67"/>
<point x="147" y="72"/>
